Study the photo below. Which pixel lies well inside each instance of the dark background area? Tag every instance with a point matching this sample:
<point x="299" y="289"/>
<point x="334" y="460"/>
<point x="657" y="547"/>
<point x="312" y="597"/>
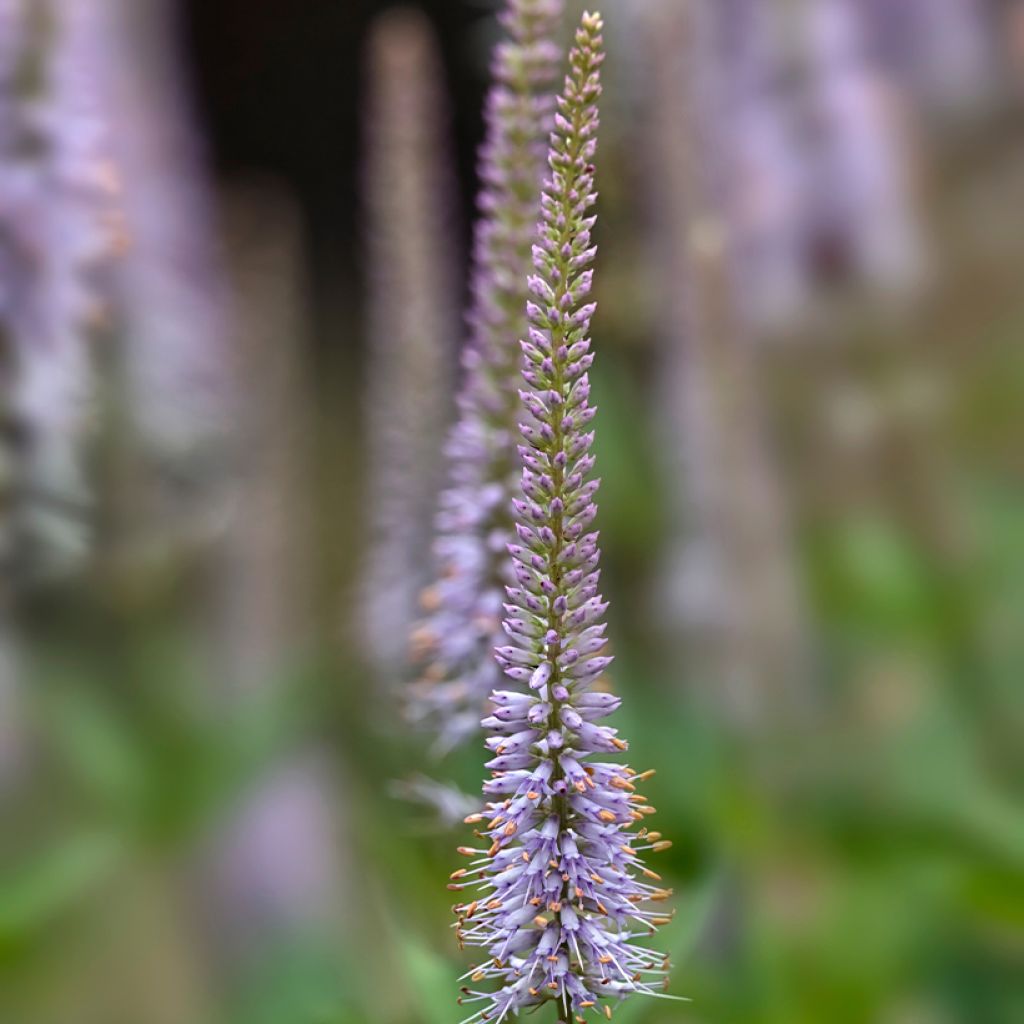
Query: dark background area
<point x="255" y="67"/>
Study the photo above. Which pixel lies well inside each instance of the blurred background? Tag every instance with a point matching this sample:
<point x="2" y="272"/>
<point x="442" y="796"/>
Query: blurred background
<point x="233" y="255"/>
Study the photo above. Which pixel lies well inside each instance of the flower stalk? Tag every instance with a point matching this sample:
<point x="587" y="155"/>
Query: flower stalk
<point x="560" y="892"/>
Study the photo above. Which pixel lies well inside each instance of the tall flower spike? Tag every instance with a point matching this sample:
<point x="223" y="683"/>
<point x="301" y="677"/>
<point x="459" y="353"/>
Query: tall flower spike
<point x="58" y="231"/>
<point x="413" y="323"/>
<point x="174" y="358"/>
<point x="562" y="890"/>
<point x="463" y="623"/>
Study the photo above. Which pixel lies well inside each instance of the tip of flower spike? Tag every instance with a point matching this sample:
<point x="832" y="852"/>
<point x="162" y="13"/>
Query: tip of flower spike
<point x="593" y="21"/>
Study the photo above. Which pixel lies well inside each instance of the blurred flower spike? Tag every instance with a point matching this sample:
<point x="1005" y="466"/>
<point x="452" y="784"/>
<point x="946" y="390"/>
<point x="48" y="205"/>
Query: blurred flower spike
<point x="413" y="322"/>
<point x="59" y="226"/>
<point x="455" y="641"/>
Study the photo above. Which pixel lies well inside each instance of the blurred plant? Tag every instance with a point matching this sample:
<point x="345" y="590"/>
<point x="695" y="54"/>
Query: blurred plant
<point x="11" y="719"/>
<point x="169" y="378"/>
<point x="56" y="230"/>
<point x="57" y="227"/>
<point x="941" y="52"/>
<point x="9" y="732"/>
<point x="561" y="901"/>
<point x="728" y="589"/>
<point x="857" y="203"/>
<point x="413" y="322"/>
<point x="263" y="588"/>
<point x="275" y="866"/>
<point x="813" y="164"/>
<point x="457" y="638"/>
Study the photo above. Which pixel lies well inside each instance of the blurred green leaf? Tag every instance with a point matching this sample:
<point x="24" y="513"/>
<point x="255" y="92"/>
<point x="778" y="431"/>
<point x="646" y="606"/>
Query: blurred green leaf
<point x="34" y="894"/>
<point x="299" y="981"/>
<point x="432" y="977"/>
<point x="871" y="575"/>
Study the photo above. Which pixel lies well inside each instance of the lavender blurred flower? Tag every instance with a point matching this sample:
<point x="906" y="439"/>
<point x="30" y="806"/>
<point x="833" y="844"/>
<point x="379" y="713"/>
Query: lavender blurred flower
<point x="943" y="53"/>
<point x="728" y="595"/>
<point x="56" y="226"/>
<point x="171" y="293"/>
<point x="857" y="201"/>
<point x="413" y="323"/>
<point x="473" y="525"/>
<point x="812" y="160"/>
<point x="560" y="894"/>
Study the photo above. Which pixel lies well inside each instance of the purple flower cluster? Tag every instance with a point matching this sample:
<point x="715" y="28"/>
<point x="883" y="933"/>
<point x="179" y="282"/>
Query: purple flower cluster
<point x="811" y="171"/>
<point x="561" y="892"/>
<point x="463" y="621"/>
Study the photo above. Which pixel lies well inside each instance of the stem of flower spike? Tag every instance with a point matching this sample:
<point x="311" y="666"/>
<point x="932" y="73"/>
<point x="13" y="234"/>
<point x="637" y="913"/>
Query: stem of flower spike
<point x="557" y="521"/>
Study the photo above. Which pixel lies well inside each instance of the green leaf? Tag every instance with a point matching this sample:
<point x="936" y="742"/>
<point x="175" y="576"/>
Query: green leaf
<point x="432" y="977"/>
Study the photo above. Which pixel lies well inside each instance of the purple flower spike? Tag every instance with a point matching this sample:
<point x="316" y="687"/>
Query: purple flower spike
<point x="559" y="889"/>
<point x="463" y="621"/>
<point x="59" y="231"/>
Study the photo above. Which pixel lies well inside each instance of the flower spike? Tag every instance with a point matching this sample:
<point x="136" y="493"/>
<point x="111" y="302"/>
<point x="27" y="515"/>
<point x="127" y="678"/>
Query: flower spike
<point x="463" y="621"/>
<point x="413" y="319"/>
<point x="559" y="891"/>
<point x="60" y="235"/>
